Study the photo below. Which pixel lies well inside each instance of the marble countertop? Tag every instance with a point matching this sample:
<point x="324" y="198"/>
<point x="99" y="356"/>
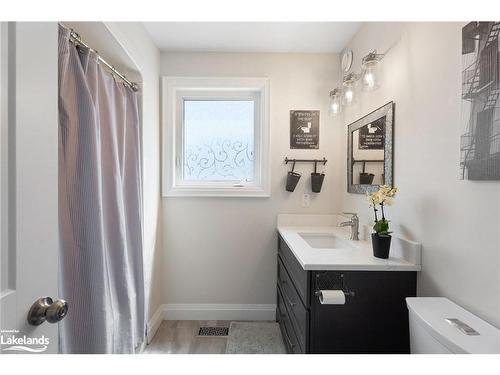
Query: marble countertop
<point x="347" y="254"/>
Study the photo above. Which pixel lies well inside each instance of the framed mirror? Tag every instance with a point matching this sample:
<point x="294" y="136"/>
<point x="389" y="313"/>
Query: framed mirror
<point x="369" y="151"/>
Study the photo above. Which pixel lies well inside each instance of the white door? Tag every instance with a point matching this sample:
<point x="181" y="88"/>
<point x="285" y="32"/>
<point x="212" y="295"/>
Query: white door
<point x="29" y="184"/>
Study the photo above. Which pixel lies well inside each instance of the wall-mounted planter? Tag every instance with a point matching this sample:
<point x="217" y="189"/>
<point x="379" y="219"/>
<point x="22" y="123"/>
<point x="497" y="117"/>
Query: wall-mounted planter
<point x="291" y="180"/>
<point x="317" y="181"/>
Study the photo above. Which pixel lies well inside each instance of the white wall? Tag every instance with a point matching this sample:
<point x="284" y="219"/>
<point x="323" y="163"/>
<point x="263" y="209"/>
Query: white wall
<point x="138" y="45"/>
<point x="223" y="250"/>
<point x="456" y="221"/>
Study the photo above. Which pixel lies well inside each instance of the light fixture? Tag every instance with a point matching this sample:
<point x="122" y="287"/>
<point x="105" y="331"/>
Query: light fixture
<point x="349" y="84"/>
<point x="370" y="74"/>
<point x="335" y="102"/>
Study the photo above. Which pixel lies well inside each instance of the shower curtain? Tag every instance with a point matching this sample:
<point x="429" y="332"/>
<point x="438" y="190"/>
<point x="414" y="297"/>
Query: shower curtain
<point x="100" y="209"/>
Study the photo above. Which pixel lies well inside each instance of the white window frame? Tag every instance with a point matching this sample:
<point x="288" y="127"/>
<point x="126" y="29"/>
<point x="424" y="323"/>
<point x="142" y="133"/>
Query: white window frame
<point x="178" y="89"/>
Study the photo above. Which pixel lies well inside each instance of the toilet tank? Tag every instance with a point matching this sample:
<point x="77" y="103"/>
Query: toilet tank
<point x="439" y="326"/>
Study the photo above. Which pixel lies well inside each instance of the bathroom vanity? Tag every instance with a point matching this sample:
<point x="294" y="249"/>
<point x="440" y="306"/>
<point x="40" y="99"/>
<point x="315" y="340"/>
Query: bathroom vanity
<point x="314" y="255"/>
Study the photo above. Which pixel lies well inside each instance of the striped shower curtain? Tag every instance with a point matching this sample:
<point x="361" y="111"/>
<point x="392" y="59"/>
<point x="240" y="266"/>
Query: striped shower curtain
<point x="100" y="213"/>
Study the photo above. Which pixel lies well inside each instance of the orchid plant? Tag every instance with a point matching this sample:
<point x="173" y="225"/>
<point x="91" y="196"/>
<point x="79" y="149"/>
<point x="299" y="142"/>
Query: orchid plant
<point x="382" y="197"/>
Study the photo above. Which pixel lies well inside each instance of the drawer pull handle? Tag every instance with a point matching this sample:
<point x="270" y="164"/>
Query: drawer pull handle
<point x="281" y="281"/>
<point x="288" y="339"/>
<point x="290" y="302"/>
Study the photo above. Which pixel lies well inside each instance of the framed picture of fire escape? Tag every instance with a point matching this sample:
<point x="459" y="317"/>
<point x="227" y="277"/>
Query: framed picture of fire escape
<point x="480" y="117"/>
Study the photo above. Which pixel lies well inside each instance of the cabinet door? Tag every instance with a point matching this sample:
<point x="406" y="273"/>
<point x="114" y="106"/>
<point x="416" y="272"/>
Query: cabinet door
<point x="374" y="320"/>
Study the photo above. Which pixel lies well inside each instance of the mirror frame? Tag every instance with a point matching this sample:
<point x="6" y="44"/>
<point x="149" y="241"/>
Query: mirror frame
<point x="388" y="111"/>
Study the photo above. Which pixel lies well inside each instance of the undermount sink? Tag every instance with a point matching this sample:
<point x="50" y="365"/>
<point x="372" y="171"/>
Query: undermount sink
<point x="325" y="241"/>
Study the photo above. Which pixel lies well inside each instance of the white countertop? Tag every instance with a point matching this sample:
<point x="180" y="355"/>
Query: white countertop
<point x="404" y="255"/>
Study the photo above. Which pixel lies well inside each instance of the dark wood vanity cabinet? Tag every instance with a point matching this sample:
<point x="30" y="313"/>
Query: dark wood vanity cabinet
<point x="373" y="320"/>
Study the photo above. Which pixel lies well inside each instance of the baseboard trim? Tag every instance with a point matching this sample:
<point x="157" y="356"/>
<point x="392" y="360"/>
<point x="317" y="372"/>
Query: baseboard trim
<point x="218" y="312"/>
<point x="154" y="323"/>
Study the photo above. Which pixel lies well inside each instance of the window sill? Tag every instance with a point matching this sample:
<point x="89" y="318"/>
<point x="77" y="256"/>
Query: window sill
<point x="235" y="192"/>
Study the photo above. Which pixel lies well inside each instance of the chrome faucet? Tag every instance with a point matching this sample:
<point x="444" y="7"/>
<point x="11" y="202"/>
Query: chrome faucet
<point x="354" y="224"/>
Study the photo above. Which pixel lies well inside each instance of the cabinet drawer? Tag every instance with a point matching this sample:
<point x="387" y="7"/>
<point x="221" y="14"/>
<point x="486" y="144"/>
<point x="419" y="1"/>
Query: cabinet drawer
<point x="289" y="337"/>
<point x="298" y="275"/>
<point x="298" y="313"/>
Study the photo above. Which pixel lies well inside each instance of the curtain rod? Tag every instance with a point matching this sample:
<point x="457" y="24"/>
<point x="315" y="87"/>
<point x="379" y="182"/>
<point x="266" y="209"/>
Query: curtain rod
<point x="75" y="38"/>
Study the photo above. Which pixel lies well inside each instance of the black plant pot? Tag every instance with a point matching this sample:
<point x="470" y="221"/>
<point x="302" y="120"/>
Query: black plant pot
<point x="317" y="181"/>
<point x="291" y="181"/>
<point x="381" y="246"/>
<point x="366" y="178"/>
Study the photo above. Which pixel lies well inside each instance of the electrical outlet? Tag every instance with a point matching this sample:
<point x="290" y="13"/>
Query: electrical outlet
<point x="306" y="200"/>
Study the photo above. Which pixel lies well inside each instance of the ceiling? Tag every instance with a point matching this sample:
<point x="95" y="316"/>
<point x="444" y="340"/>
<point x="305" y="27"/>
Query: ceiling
<point x="300" y="37"/>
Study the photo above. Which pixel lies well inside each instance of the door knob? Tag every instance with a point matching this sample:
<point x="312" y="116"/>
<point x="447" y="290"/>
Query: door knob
<point x="44" y="309"/>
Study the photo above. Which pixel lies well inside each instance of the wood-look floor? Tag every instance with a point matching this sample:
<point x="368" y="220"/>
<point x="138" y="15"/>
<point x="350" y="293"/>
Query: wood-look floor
<point x="180" y="337"/>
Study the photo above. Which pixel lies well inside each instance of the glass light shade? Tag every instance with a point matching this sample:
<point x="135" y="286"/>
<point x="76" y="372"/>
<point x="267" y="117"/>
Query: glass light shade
<point x="370" y="76"/>
<point x="370" y="73"/>
<point x="335" y="106"/>
<point x="349" y="84"/>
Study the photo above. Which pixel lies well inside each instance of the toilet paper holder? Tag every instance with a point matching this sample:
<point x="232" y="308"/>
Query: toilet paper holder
<point x="346" y="292"/>
<point x="342" y="286"/>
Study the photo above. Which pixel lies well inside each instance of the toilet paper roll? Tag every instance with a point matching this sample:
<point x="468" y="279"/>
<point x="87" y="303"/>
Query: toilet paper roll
<point x="331" y="297"/>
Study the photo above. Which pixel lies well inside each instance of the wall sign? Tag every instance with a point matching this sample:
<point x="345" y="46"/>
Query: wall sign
<point x="371" y="136"/>
<point x="304" y="129"/>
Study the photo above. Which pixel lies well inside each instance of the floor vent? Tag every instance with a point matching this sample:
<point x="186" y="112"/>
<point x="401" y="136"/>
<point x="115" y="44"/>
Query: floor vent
<point x="213" y="331"/>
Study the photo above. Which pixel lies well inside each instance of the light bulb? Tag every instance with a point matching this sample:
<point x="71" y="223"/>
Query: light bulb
<point x="348" y="95"/>
<point x="368" y="80"/>
<point x="335" y="108"/>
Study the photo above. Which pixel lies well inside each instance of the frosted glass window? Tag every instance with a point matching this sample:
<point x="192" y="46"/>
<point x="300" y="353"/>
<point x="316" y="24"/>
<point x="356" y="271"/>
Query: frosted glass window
<point x="218" y="140"/>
